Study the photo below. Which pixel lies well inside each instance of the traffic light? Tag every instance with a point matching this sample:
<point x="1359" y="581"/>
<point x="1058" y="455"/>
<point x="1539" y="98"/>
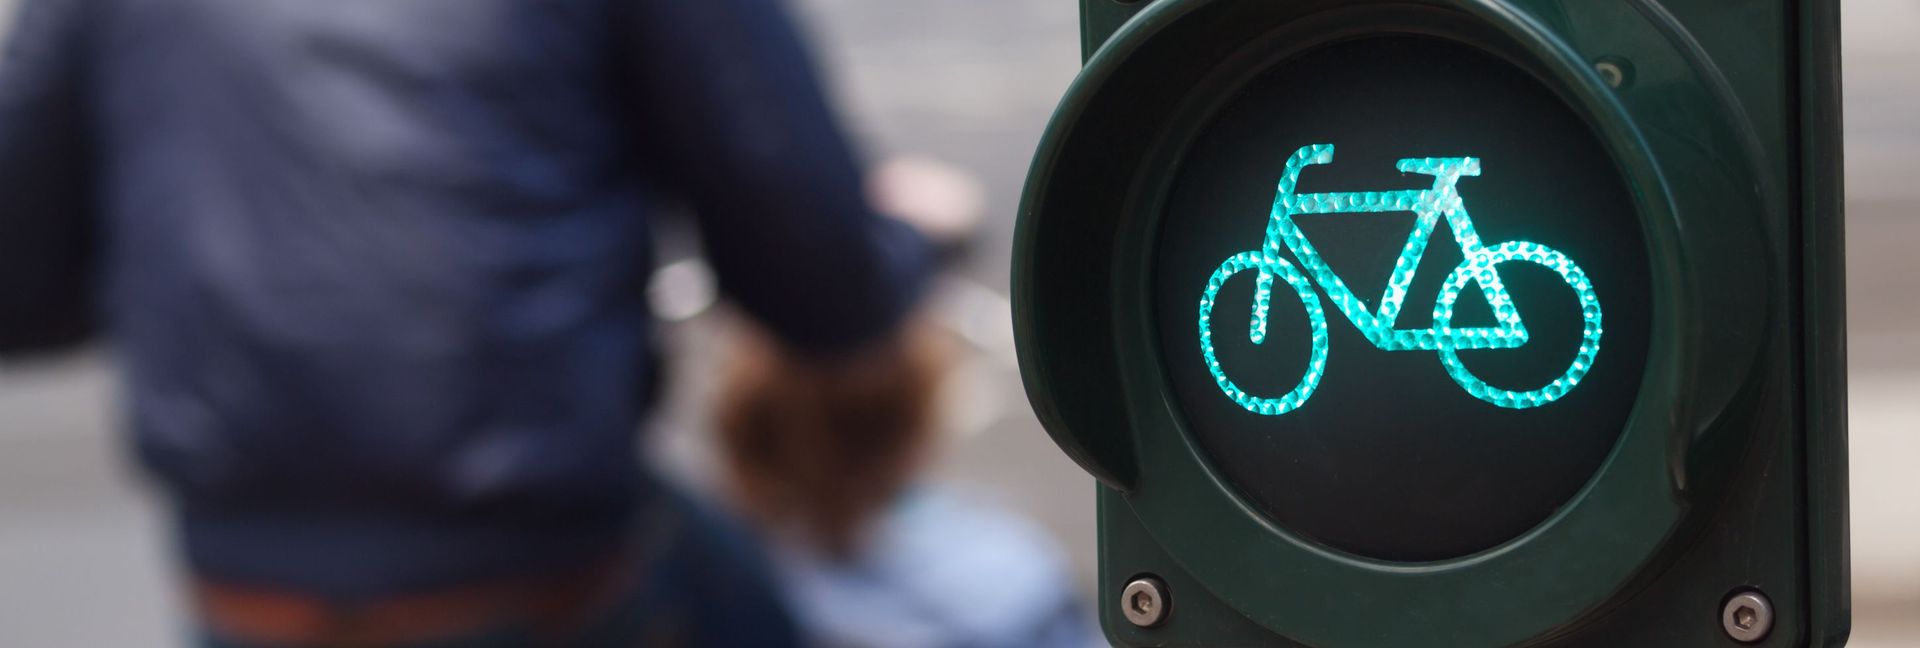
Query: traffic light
<point x="1449" y="322"/>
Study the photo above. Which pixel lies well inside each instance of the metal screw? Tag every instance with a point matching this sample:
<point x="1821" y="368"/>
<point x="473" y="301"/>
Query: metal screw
<point x="1747" y="616"/>
<point x="1613" y="70"/>
<point x="1144" y="601"/>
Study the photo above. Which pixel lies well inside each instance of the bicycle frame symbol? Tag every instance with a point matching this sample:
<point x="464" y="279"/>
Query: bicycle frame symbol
<point x="1480" y="267"/>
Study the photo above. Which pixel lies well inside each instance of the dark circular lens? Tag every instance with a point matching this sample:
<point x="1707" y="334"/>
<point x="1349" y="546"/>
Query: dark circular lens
<point x="1414" y="439"/>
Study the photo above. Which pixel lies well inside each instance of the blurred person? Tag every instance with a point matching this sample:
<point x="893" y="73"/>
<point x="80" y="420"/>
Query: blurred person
<point x="827" y="455"/>
<point x="373" y="271"/>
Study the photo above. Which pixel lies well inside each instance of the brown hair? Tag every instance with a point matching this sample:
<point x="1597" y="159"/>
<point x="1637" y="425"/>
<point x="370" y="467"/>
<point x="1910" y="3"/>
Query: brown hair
<point x="819" y="445"/>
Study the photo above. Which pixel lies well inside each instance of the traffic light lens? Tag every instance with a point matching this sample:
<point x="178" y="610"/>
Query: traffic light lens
<point x="1422" y="296"/>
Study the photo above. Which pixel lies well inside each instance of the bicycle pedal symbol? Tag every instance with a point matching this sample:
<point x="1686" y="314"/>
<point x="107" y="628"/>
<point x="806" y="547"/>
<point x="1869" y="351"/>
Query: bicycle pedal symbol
<point x="1479" y="267"/>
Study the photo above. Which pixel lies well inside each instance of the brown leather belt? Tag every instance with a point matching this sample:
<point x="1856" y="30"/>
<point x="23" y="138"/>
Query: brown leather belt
<point x="547" y="605"/>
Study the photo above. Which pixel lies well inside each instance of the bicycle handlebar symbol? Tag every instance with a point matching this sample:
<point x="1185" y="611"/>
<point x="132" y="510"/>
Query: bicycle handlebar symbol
<point x="1479" y="267"/>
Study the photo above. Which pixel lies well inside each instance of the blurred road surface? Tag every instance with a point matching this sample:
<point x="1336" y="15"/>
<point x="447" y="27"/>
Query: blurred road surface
<point x="82" y="547"/>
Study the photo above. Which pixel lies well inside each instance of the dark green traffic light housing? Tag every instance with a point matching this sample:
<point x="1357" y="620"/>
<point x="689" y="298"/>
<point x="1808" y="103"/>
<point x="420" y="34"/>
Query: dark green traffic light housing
<point x="1449" y="322"/>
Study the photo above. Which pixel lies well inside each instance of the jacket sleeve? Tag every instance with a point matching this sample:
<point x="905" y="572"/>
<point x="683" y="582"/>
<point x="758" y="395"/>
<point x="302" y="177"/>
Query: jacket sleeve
<point x="730" y="112"/>
<point x="46" y="221"/>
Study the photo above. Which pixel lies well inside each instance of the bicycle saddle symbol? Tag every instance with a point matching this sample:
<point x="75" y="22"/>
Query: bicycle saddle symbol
<point x="1479" y="267"/>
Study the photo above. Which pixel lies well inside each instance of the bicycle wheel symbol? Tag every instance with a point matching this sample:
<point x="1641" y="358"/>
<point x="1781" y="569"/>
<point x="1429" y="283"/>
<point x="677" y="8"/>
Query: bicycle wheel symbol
<point x="1479" y="267"/>
<point x="1316" y="319"/>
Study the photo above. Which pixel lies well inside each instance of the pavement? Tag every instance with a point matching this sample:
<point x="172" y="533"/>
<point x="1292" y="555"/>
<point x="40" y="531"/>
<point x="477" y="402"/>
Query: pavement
<point x="83" y="545"/>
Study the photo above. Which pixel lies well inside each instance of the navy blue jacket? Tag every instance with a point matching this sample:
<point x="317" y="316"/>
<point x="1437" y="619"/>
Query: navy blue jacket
<point x="374" y="269"/>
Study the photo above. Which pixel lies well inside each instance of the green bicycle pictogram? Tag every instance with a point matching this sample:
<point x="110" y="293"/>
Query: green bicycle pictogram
<point x="1479" y="266"/>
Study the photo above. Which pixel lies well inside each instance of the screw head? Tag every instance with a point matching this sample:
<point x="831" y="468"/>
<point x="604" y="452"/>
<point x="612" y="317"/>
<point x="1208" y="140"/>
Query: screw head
<point x="1616" y="71"/>
<point x="1747" y="616"/>
<point x="1144" y="601"/>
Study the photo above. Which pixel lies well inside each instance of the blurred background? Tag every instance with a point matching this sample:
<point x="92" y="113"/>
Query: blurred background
<point x="83" y="554"/>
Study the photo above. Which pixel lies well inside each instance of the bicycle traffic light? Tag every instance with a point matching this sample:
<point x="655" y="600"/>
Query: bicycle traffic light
<point x="1449" y="322"/>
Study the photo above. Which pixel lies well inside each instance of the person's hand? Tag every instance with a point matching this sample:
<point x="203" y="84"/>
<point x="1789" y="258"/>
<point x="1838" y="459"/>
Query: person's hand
<point x="816" y="446"/>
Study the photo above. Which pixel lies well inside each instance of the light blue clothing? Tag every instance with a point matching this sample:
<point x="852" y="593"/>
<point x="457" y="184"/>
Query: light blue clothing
<point x="940" y="570"/>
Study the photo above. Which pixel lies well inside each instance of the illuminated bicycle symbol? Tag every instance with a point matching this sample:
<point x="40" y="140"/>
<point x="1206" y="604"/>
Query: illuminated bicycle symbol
<point x="1480" y="267"/>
